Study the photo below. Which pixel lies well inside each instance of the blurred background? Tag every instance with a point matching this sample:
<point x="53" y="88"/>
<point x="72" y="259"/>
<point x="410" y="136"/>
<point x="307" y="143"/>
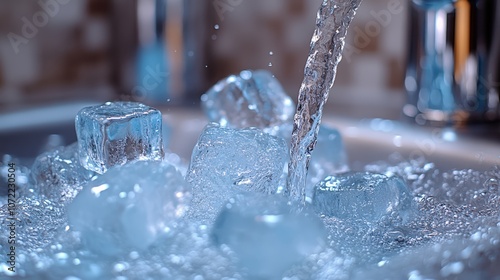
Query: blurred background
<point x="169" y="52"/>
<point x="416" y="60"/>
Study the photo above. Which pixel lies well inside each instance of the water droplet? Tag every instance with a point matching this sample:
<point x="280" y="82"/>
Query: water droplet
<point x="121" y="266"/>
<point x="492" y="184"/>
<point x="466" y="253"/>
<point x="133" y="255"/>
<point x="61" y="256"/>
<point x="476" y="236"/>
<point x="270" y="64"/>
<point x="271" y="53"/>
<point x="216" y="27"/>
<point x="452" y="268"/>
<point x="175" y="259"/>
<point x="415" y="275"/>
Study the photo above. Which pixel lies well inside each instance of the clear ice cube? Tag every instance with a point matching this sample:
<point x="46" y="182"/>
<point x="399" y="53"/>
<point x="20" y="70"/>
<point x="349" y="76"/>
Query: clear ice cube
<point x="250" y="99"/>
<point x="58" y="174"/>
<point x="267" y="235"/>
<point x="115" y="133"/>
<point x="363" y="196"/>
<point x="129" y="206"/>
<point x="328" y="157"/>
<point x="226" y="160"/>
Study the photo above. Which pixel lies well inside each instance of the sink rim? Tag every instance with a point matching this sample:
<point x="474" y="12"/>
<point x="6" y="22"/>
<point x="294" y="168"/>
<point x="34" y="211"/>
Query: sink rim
<point x="461" y="151"/>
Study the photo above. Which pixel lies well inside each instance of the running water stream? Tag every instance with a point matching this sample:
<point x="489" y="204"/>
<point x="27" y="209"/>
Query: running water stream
<point x="327" y="43"/>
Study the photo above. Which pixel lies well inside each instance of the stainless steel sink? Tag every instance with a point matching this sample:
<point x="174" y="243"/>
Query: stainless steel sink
<point x="372" y="140"/>
<point x="24" y="134"/>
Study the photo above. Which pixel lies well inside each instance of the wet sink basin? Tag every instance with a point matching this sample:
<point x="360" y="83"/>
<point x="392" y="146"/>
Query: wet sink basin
<point x="25" y="134"/>
<point x="368" y="141"/>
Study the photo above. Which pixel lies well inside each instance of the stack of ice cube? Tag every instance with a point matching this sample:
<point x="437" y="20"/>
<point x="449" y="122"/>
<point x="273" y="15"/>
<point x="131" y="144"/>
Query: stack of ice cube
<point x="256" y="99"/>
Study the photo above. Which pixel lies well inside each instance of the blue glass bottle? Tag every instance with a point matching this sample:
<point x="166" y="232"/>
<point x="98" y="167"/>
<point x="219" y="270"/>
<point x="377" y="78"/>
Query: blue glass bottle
<point x="429" y="78"/>
<point x="452" y="69"/>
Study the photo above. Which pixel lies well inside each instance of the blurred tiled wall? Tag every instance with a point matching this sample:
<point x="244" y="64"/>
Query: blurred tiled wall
<point x="275" y="35"/>
<point x="54" y="50"/>
<point x="81" y="47"/>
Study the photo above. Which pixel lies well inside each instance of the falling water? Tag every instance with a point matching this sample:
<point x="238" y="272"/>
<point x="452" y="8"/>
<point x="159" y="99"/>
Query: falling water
<point x="327" y="43"/>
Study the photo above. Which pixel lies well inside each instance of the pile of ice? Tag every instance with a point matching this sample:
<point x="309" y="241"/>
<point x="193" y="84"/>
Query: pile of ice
<point x="113" y="207"/>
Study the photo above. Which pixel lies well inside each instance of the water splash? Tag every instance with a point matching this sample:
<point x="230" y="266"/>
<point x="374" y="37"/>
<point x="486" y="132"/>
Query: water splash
<point x="327" y="43"/>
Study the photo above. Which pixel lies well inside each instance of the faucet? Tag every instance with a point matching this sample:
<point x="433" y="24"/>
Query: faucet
<point x="452" y="75"/>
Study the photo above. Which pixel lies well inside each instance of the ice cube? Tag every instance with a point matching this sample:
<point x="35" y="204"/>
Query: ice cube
<point x="328" y="157"/>
<point x="58" y="174"/>
<point x="226" y="160"/>
<point x="266" y="234"/>
<point x="115" y="133"/>
<point x="250" y="99"/>
<point x="363" y="196"/>
<point x="129" y="206"/>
